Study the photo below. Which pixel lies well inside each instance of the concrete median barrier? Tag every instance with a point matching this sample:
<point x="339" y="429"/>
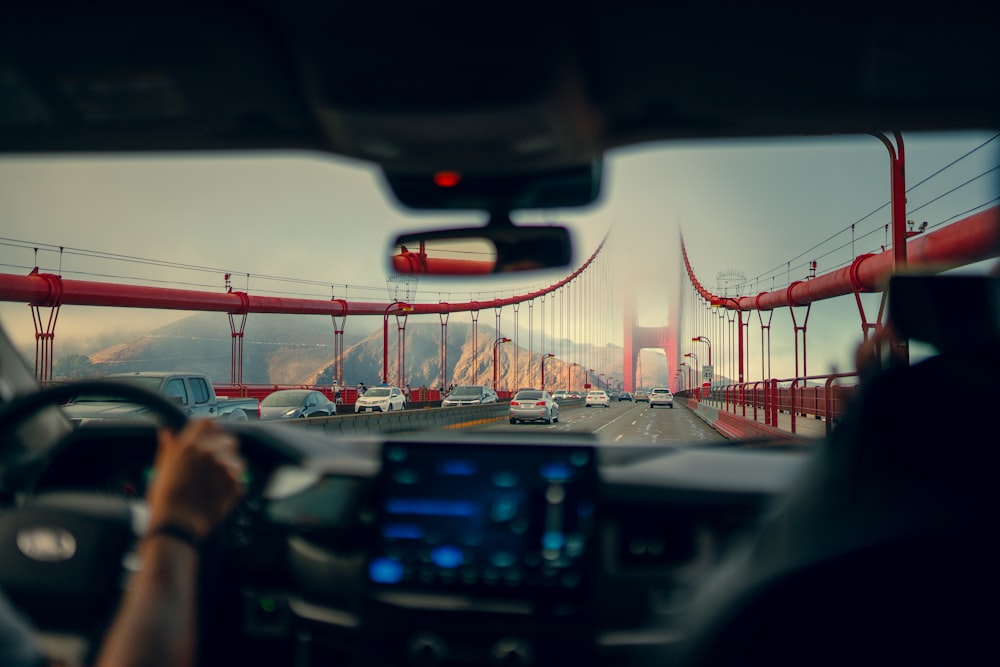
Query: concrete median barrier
<point x="423" y="419"/>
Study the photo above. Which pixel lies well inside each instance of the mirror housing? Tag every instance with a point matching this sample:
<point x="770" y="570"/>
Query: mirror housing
<point x="481" y="250"/>
<point x="566" y="187"/>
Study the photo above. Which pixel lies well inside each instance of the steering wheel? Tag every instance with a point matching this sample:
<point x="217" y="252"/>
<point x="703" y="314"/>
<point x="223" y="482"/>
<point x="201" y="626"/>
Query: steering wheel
<point x="61" y="552"/>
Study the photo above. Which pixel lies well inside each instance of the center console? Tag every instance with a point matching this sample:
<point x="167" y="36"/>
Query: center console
<point x="496" y="551"/>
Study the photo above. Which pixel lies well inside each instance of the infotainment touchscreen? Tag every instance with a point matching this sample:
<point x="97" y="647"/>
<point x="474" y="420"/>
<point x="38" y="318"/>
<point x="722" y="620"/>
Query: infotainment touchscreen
<point x="501" y="520"/>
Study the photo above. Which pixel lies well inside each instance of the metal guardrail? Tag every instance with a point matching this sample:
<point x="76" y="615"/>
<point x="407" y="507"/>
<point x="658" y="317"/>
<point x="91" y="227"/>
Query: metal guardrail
<point x="761" y="401"/>
<point x="348" y="395"/>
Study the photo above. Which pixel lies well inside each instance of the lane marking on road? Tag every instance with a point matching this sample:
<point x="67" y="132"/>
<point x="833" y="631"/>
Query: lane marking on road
<point x="610" y="423"/>
<point x="619" y="437"/>
<point x="652" y="436"/>
<point x="633" y="423"/>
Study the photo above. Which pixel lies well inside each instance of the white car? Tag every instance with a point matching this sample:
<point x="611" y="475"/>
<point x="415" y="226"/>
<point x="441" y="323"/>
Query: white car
<point x="381" y="399"/>
<point x="598" y="398"/>
<point x="469" y="394"/>
<point x="661" y="396"/>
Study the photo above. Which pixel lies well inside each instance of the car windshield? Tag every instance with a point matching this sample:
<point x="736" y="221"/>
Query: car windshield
<point x="466" y="392"/>
<point x="147" y="383"/>
<point x="284" y="399"/>
<point x="378" y="392"/>
<point x="528" y="396"/>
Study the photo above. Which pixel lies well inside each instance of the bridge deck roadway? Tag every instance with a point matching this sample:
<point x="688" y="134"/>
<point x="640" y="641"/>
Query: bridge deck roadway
<point x="690" y="422"/>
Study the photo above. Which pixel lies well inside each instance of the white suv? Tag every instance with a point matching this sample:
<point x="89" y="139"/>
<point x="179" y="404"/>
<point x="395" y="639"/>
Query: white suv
<point x="381" y="399"/>
<point x="661" y="396"/>
<point x="598" y="398"/>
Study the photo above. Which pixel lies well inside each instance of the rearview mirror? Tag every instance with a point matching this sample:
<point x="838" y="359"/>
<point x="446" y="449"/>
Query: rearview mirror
<point x="480" y="250"/>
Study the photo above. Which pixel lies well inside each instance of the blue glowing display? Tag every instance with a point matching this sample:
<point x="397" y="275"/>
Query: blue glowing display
<point x="457" y="468"/>
<point x="430" y="507"/>
<point x="447" y="556"/>
<point x="402" y="531"/>
<point x="552" y="540"/>
<point x="474" y="519"/>
<point x="555" y="472"/>
<point x="385" y="571"/>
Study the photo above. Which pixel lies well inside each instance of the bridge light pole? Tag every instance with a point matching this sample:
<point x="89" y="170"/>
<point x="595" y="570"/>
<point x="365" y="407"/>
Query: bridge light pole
<point x="684" y="363"/>
<point x="569" y="373"/>
<point x="704" y="339"/>
<point x="401" y="307"/>
<point x="692" y="355"/>
<point x="717" y="303"/>
<point x="497" y="343"/>
<point x="544" y="357"/>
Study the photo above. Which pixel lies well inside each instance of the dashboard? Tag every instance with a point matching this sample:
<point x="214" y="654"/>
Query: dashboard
<point x="455" y="548"/>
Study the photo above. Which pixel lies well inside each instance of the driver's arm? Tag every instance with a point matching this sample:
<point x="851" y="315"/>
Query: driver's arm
<point x="197" y="482"/>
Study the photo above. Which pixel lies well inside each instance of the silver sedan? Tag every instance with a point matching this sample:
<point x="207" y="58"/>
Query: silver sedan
<point x="533" y="405"/>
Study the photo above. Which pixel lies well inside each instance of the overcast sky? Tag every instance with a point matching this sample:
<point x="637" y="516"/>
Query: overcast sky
<point x="753" y="208"/>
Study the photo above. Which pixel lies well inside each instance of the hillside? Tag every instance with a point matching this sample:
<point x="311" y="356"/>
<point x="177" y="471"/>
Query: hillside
<point x="467" y="363"/>
<point x="276" y="348"/>
<point x="299" y="350"/>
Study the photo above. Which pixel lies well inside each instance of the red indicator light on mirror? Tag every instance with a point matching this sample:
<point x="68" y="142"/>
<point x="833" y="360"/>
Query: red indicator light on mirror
<point x="447" y="179"/>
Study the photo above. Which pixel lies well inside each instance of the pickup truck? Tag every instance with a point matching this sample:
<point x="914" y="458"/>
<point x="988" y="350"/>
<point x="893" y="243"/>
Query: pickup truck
<point x="192" y="392"/>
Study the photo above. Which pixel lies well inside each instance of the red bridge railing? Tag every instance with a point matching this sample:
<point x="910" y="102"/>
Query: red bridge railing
<point x="816" y="396"/>
<point x="348" y="395"/>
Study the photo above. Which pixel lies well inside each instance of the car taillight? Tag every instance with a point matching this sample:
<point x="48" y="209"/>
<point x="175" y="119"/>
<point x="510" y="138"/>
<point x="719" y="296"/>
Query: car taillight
<point x="540" y="404"/>
<point x="514" y="403"/>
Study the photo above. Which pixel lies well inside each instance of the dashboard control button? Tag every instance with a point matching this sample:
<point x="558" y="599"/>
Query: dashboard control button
<point x="512" y="651"/>
<point x="426" y="648"/>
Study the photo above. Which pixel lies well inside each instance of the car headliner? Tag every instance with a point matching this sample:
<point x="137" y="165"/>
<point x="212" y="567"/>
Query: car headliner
<point x="423" y="87"/>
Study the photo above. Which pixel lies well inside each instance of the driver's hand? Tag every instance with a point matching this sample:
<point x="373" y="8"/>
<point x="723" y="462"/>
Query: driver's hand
<point x="198" y="477"/>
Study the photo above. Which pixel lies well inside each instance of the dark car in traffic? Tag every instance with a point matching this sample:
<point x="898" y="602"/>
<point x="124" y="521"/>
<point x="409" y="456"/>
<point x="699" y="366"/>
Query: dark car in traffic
<point x="295" y="404"/>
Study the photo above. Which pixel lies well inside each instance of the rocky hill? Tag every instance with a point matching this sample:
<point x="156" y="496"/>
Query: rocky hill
<point x="276" y="348"/>
<point x="300" y="350"/>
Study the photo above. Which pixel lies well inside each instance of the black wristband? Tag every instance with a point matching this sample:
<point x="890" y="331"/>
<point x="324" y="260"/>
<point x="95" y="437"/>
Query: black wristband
<point x="176" y="531"/>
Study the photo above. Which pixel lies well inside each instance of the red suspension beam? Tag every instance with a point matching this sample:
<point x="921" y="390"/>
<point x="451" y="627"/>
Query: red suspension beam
<point x="41" y="289"/>
<point x="970" y="240"/>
